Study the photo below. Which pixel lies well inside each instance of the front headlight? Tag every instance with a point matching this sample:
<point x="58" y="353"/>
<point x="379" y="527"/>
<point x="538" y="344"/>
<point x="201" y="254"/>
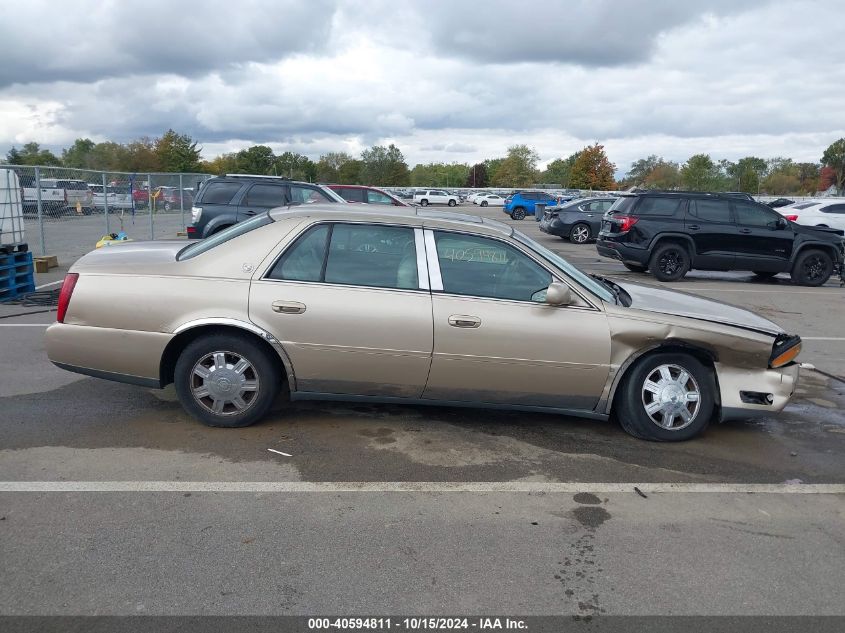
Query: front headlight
<point x="196" y="212"/>
<point x="785" y="349"/>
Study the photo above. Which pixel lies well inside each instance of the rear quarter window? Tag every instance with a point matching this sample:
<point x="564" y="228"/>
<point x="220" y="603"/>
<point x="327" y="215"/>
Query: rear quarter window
<point x="622" y="205"/>
<point x="659" y="206"/>
<point x="224" y="236"/>
<point x="220" y="192"/>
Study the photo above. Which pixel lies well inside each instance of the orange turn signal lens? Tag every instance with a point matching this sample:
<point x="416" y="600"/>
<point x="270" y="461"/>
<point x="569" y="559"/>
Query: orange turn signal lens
<point x="786" y="357"/>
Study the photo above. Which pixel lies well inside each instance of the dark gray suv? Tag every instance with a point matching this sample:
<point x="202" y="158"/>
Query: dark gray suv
<point x="226" y="200"/>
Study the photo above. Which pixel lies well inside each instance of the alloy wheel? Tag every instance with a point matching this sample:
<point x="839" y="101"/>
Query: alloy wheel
<point x="670" y="262"/>
<point x="580" y="234"/>
<point x="671" y="397"/>
<point x="814" y="268"/>
<point x="224" y="383"/>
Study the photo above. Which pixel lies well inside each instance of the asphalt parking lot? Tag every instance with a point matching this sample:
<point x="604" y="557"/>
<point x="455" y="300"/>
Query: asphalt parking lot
<point x="114" y="501"/>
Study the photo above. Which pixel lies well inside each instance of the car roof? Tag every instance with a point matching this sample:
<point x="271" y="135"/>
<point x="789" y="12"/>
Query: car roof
<point x="404" y="215"/>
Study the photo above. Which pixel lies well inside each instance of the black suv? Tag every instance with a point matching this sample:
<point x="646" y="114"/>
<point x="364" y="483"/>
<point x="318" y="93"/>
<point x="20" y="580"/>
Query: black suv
<point x="670" y="233"/>
<point x="225" y="200"/>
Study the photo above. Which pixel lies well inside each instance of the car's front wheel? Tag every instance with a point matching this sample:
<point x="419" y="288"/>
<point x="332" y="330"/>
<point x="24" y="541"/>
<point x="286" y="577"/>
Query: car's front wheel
<point x="518" y="213"/>
<point x="666" y="397"/>
<point x="452" y="203"/>
<point x="812" y="268"/>
<point x="424" y="202"/>
<point x="484" y="203"/>
<point x="226" y="380"/>
<point x="670" y="262"/>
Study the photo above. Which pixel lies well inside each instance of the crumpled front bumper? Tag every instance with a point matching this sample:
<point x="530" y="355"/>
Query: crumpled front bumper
<point x="745" y="392"/>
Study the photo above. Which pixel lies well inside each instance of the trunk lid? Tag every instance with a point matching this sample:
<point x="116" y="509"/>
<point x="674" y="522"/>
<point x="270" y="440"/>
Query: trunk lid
<point x="130" y="257"/>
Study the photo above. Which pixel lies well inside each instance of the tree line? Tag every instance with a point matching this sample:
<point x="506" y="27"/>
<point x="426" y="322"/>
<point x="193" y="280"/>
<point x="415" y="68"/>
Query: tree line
<point x="588" y="168"/>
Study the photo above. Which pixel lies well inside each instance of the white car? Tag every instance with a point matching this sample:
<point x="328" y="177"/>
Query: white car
<point x="435" y="196"/>
<point x="489" y="200"/>
<point x="117" y="197"/>
<point x="471" y="197"/>
<point x="821" y="212"/>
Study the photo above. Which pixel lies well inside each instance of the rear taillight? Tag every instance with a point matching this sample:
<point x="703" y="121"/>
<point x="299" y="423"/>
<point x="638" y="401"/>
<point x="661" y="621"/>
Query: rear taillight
<point x="65" y="294"/>
<point x="792" y="217"/>
<point x="625" y="222"/>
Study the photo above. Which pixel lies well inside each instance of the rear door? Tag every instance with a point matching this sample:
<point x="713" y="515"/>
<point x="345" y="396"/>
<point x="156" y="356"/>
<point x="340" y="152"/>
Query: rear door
<point x="351" y="308"/>
<point x="260" y="197"/>
<point x="764" y="239"/>
<point x="710" y="224"/>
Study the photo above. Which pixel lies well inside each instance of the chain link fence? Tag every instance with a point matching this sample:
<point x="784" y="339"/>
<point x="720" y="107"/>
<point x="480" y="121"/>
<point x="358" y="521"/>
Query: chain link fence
<point x="66" y="211"/>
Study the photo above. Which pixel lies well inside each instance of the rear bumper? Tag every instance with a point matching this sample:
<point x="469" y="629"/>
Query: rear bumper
<point x="622" y="252"/>
<point x="739" y="387"/>
<point x="554" y="227"/>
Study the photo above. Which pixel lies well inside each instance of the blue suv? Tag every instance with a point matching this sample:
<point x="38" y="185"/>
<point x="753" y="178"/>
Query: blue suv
<point x="521" y="203"/>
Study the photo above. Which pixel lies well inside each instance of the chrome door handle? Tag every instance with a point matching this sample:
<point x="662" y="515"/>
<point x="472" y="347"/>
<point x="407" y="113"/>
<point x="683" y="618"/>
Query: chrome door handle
<point x="460" y="320"/>
<point x="693" y="227"/>
<point x="288" y="307"/>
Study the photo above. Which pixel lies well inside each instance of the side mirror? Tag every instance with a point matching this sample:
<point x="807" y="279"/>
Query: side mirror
<point x="558" y="294"/>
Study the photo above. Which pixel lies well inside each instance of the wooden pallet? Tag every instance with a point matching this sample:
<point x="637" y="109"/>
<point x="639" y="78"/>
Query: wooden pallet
<point x="16" y="274"/>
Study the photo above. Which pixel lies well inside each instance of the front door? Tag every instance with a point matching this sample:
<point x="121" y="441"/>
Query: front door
<point x="348" y="305"/>
<point x="764" y="239"/>
<point x="495" y="341"/>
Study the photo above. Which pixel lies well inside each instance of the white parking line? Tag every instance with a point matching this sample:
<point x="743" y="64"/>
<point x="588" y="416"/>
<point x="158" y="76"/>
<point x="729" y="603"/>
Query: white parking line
<point x="822" y="338"/>
<point x="52" y="283"/>
<point x="409" y="486"/>
<point x="25" y="324"/>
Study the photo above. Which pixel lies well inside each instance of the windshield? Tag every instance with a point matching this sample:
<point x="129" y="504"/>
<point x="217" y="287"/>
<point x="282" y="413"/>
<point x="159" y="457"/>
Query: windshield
<point x="591" y="284"/>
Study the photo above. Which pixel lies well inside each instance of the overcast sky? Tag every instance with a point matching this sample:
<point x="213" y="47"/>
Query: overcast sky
<point x="444" y="80"/>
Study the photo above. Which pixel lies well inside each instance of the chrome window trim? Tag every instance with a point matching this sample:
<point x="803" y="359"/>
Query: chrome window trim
<point x="434" y="266"/>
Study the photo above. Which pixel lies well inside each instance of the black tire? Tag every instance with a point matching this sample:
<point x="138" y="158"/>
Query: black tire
<point x="452" y="203"/>
<point x="264" y="370"/>
<point x="424" y="202"/>
<point x="577" y="234"/>
<point x="518" y="214"/>
<point x="630" y="402"/>
<point x="669" y="262"/>
<point x="484" y="203"/>
<point x="764" y="274"/>
<point x="634" y="268"/>
<point x="812" y="268"/>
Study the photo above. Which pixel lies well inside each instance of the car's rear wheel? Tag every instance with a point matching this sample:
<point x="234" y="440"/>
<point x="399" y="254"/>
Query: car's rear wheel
<point x="518" y="213"/>
<point x="424" y="202"/>
<point x="812" y="268"/>
<point x="226" y="380"/>
<point x="666" y="397"/>
<point x="634" y="268"/>
<point x="670" y="262"/>
<point x="452" y="203"/>
<point x="764" y="274"/>
<point x="580" y="233"/>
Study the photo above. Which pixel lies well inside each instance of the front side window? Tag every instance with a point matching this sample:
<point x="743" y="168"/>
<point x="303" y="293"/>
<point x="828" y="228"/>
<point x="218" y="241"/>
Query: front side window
<point x="375" y="197"/>
<point x="834" y="208"/>
<point x="750" y="214"/>
<point x="268" y="196"/>
<point x="482" y="267"/>
<point x="357" y="255"/>
<point x="307" y="195"/>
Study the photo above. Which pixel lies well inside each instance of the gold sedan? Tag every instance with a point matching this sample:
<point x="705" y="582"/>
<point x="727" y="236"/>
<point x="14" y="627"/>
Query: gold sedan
<point x="420" y="307"/>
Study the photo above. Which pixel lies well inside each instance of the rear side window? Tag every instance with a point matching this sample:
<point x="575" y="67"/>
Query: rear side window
<point x="306" y="195"/>
<point x="304" y="260"/>
<point x="220" y="192"/>
<point x="834" y="208"/>
<point x="658" y="206"/>
<point x="804" y="205"/>
<point x="223" y="236"/>
<point x="711" y="210"/>
<point x="265" y="196"/>
<point x="358" y="254"/>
